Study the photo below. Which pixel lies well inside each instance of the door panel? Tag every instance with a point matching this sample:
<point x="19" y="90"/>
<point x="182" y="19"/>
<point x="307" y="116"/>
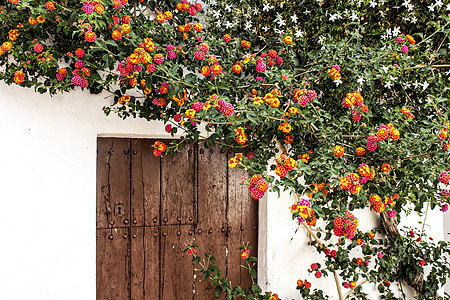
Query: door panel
<point x="113" y="264"/>
<point x="177" y="187"/>
<point x="165" y="204"/>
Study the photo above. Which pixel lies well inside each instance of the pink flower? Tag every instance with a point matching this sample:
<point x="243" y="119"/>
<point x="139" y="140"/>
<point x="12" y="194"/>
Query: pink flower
<point x="336" y="67"/>
<point x="200" y="55"/>
<point x="405" y="49"/>
<point x="197" y="106"/>
<point x="228" y="109"/>
<point x="171" y="55"/>
<point x="261" y="67"/>
<point x="444" y="177"/>
<point x="177" y="118"/>
<point x="168" y="128"/>
<point x="279" y="60"/>
<point x="444" y="207"/>
<point x="88" y="8"/>
<point x="38" y="48"/>
<point x="392" y="214"/>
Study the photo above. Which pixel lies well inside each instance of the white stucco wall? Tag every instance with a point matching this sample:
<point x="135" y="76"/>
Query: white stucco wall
<point x="48" y="192"/>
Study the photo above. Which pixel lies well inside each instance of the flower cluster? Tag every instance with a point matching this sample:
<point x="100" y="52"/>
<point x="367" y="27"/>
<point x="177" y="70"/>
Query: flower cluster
<point x="245" y="253"/>
<point x="444" y="177"/>
<point x="317" y="187"/>
<point x="355" y="101"/>
<point x="303" y="212"/>
<point x="241" y="137"/>
<point x="258" y="186"/>
<point x="284" y="165"/>
<point x="409" y="115"/>
<point x="235" y="160"/>
<point x="338" y="151"/>
<point x="335" y="72"/>
<point x="379" y="205"/>
<point x="384" y="132"/>
<point x="304" y="96"/>
<point x="351" y="182"/>
<point x="345" y="225"/>
<point x="159" y="148"/>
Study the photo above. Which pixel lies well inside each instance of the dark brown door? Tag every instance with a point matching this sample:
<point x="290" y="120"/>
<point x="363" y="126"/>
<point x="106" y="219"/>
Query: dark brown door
<point x="150" y="208"/>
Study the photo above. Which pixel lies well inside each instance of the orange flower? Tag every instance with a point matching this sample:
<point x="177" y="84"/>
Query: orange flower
<point x="125" y="28"/>
<point x="18" y="77"/>
<point x="116" y="35"/>
<point x="90" y="36"/>
<point x="287" y="39"/>
<point x="360" y="151"/>
<point x="410" y="39"/>
<point x="216" y="69"/>
<point x="160" y="18"/>
<point x="206" y="71"/>
<point x="345" y="183"/>
<point x="40" y="19"/>
<point x="338" y="151"/>
<point x="98" y="8"/>
<point x="237" y="68"/>
<point x="168" y="15"/>
<point x="385" y="167"/>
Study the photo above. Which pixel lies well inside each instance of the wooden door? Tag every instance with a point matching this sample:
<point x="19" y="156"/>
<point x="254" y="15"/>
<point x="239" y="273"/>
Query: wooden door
<point x="150" y="208"/>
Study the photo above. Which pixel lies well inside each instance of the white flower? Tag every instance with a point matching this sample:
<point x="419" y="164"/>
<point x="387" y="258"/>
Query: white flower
<point x="396" y="31"/>
<point x="431" y="7"/>
<point x="406" y="3"/>
<point x="228" y="7"/>
<point x="267" y="7"/>
<point x="373" y="3"/>
<point x="248" y="25"/>
<point x="265" y="28"/>
<point x="338" y="82"/>
<point x="360" y="80"/>
<point x="300" y="33"/>
<point x="439" y="3"/>
<point x="447" y="73"/>
<point x="321" y="39"/>
<point x="219" y="23"/>
<point x="306" y="12"/>
<point x="212" y="2"/>
<point x="334" y="17"/>
<point x="385" y="69"/>
<point x="228" y="25"/>
<point x="388" y="84"/>
<point x="216" y="14"/>
<point x="278" y="31"/>
<point x="448" y="7"/>
<point x="354" y="16"/>
<point x="381" y="13"/>
<point x="294" y="18"/>
<point x="255" y="11"/>
<point x="425" y="85"/>
<point x="416" y="84"/>
<point x="414" y="20"/>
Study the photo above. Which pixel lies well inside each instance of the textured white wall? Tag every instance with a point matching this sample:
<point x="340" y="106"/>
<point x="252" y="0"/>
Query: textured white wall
<point x="47" y="192"/>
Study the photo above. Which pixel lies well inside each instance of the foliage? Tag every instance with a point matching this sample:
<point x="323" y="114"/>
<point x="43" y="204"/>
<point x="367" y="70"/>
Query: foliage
<point x="346" y="101"/>
<point x="220" y="284"/>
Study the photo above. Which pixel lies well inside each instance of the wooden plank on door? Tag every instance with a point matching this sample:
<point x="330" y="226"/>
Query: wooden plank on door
<point x="176" y="267"/>
<point x="151" y="263"/>
<point x="242" y="215"/>
<point x="137" y="258"/>
<point x="177" y="187"/>
<point x="113" y="183"/>
<point x="211" y="228"/>
<point x="113" y="264"/>
<point x="145" y="184"/>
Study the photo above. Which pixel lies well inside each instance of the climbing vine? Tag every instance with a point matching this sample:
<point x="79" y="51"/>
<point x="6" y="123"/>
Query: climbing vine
<point x="345" y="102"/>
